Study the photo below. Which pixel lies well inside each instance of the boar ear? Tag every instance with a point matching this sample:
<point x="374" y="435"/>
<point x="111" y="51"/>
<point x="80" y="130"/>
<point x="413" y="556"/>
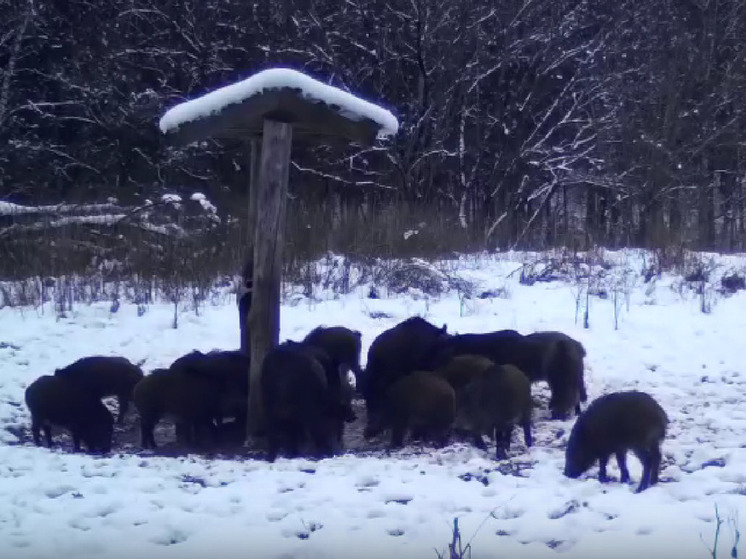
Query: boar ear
<point x="444" y="329"/>
<point x="358" y="333"/>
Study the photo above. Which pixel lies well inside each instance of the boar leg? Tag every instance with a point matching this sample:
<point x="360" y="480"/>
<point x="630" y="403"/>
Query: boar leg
<point x="602" y="461"/>
<point x="655" y="464"/>
<point x="272" y="447"/>
<point x="398" y="431"/>
<point x="47" y="428"/>
<point x="442" y="437"/>
<point x="478" y="440"/>
<point x="645" y="457"/>
<point x="274" y="434"/>
<point x="501" y="448"/>
<point x="583" y="392"/>
<point x="419" y="434"/>
<point x="36" y="431"/>
<point x="124" y="405"/>
<point x="147" y="439"/>
<point x="621" y="460"/>
<point x="323" y="439"/>
<point x="212" y="429"/>
<point x="295" y="435"/>
<point x="526" y="424"/>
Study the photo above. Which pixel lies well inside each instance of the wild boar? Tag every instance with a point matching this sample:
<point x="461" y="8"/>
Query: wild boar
<point x="339" y="390"/>
<point x="105" y="376"/>
<point x="149" y="397"/>
<point x="230" y="372"/>
<point x="421" y="402"/>
<point x="54" y="400"/>
<point x="493" y="403"/>
<point x="298" y="403"/>
<point x="398" y="351"/>
<point x="558" y="359"/>
<point x="553" y="357"/>
<point x="342" y="344"/>
<point x="613" y="424"/>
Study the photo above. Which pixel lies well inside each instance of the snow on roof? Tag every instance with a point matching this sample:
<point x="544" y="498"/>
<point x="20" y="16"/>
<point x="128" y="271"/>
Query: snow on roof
<point x="351" y="106"/>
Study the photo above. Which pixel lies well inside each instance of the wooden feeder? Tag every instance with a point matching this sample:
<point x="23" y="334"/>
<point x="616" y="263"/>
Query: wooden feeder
<point x="276" y="106"/>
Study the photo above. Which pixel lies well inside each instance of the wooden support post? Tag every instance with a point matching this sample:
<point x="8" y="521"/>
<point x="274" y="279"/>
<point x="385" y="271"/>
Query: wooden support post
<point x="264" y="315"/>
<point x="245" y="293"/>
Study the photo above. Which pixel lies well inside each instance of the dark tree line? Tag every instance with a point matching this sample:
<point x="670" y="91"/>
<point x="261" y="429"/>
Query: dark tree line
<point x="523" y="122"/>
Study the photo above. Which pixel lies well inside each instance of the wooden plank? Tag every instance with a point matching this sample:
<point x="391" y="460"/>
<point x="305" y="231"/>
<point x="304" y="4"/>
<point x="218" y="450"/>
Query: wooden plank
<point x="264" y="316"/>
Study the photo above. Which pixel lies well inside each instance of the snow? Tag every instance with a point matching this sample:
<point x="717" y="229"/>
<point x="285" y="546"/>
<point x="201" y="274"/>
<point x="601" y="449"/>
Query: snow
<point x="349" y="105"/>
<point x="9" y="208"/>
<point x="57" y="503"/>
<point x="171" y="198"/>
<point x="204" y="202"/>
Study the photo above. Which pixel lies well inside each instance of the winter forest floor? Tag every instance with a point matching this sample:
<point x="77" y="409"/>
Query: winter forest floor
<point x="135" y="503"/>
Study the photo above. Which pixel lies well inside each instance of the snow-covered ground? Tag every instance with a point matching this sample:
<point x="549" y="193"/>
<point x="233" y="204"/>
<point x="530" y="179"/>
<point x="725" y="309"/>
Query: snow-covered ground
<point x="53" y="503"/>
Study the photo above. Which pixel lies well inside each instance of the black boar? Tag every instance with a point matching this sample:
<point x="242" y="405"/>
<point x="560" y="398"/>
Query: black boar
<point x="462" y="369"/>
<point x="499" y="346"/>
<point x="558" y="359"/>
<point x="149" y="397"/>
<point x="58" y="401"/>
<point x="342" y="344"/>
<point x="553" y="357"/>
<point x="614" y="424"/>
<point x="230" y="372"/>
<point x="199" y="390"/>
<point x="298" y="403"/>
<point x="338" y="386"/>
<point x="493" y="403"/>
<point x="398" y="351"/>
<point x="422" y="402"/>
<point x="105" y="376"/>
<point x="194" y="400"/>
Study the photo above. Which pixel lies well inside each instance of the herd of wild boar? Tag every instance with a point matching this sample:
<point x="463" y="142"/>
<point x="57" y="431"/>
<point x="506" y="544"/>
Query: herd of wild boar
<point x="419" y="381"/>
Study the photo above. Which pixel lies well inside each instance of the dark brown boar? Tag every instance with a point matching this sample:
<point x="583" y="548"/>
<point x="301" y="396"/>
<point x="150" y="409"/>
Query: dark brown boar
<point x="298" y="404"/>
<point x="553" y="357"/>
<point x="493" y="403"/>
<point x="230" y="372"/>
<point x="614" y="424"/>
<point x="198" y="391"/>
<point x="558" y="359"/>
<point x="105" y="376"/>
<point x="420" y="402"/>
<point x="54" y="400"/>
<point x="396" y="352"/>
<point x="338" y="386"/>
<point x="149" y="397"/>
<point x="194" y="401"/>
<point x="342" y="344"/>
